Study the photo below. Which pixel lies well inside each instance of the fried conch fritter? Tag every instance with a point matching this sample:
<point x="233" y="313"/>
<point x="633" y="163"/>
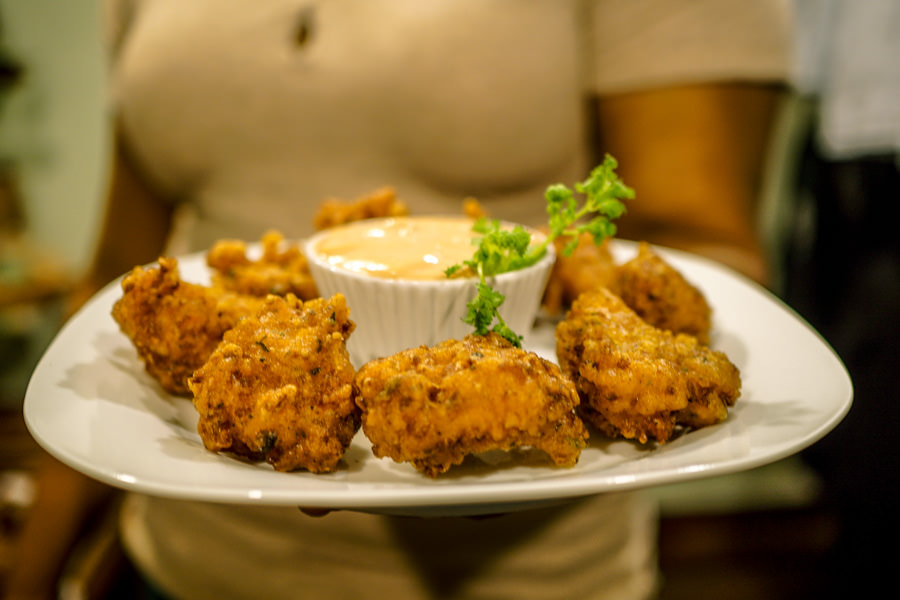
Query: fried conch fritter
<point x="433" y="406"/>
<point x="661" y="296"/>
<point x="588" y="267"/>
<point x="280" y="386"/>
<point x="174" y="325"/>
<point x="382" y="202"/>
<point x="282" y="269"/>
<point x="636" y="381"/>
<point x="647" y="283"/>
<point x="473" y="209"/>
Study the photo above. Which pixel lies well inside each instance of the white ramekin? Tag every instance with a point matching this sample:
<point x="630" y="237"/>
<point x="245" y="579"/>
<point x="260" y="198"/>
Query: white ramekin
<point x="392" y="315"/>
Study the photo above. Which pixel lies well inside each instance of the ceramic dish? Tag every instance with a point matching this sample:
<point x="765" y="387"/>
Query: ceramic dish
<point x="90" y="404"/>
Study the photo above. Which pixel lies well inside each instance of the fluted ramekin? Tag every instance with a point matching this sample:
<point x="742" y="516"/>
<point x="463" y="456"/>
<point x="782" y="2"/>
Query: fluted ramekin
<point x="393" y="314"/>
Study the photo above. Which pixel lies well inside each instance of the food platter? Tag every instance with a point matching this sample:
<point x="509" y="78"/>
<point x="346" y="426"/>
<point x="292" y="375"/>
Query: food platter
<point x="91" y="405"/>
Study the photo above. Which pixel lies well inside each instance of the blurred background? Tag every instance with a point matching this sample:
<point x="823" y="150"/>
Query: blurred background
<point x="52" y="160"/>
<point x="803" y="527"/>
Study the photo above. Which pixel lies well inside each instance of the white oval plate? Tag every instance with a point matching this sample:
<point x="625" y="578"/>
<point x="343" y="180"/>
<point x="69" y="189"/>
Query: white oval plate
<point x="91" y="405"/>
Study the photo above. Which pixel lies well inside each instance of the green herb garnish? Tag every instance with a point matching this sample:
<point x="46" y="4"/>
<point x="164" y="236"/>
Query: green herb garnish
<point x="502" y="250"/>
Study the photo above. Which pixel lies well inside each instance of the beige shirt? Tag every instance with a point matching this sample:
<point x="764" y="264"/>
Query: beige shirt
<point x="248" y="114"/>
<point x="231" y="115"/>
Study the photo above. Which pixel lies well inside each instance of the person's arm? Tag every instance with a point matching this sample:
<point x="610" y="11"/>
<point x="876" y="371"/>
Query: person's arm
<point x="133" y="232"/>
<point x="134" y="229"/>
<point x="694" y="156"/>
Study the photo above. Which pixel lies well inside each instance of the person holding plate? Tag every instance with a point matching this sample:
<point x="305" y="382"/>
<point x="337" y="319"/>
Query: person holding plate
<point x="234" y="117"/>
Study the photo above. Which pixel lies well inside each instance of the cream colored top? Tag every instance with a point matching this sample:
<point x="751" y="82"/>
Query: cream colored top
<point x="230" y="114"/>
<point x="249" y="113"/>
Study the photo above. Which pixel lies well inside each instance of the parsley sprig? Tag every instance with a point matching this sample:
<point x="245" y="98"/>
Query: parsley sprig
<point x="569" y="216"/>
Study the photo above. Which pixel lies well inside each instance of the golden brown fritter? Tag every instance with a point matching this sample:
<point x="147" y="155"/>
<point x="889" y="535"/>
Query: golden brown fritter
<point x="590" y="266"/>
<point x="433" y="406"/>
<point x="280" y="386"/>
<point x="174" y="325"/>
<point x="473" y="209"/>
<point x="636" y="381"/>
<point x="661" y="296"/>
<point x="380" y="203"/>
<point x="282" y="269"/>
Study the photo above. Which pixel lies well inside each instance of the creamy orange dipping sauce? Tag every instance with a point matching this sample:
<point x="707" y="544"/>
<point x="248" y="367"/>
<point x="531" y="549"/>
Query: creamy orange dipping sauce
<point x="400" y="248"/>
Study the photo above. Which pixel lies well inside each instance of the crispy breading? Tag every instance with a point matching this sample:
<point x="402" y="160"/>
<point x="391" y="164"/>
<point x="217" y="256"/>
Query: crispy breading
<point x="174" y="325"/>
<point x="588" y="267"/>
<point x="636" y="381"/>
<point x="473" y="209"/>
<point x="661" y="296"/>
<point x="280" y="386"/>
<point x="433" y="406"/>
<point x="282" y="269"/>
<point x="382" y="202"/>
